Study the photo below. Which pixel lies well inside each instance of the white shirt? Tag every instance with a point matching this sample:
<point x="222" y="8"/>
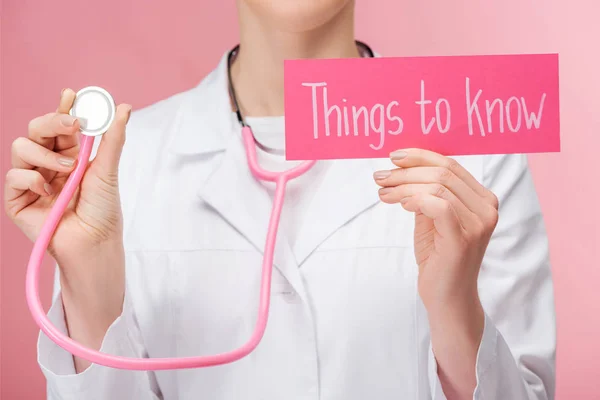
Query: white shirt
<point x="346" y="321"/>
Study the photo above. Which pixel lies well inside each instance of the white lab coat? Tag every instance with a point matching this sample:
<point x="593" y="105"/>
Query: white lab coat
<point x="346" y="321"/>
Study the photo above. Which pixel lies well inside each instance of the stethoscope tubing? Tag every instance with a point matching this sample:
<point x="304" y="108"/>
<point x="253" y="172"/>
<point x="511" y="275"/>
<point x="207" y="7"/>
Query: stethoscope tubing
<point x="169" y="363"/>
<point x="153" y="364"/>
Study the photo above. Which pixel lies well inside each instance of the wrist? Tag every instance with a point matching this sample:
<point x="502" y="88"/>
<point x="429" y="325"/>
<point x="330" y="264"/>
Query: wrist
<point x="456" y="333"/>
<point x="93" y="288"/>
<point x="96" y="303"/>
<point x="456" y="303"/>
<point x="88" y="316"/>
<point x="456" y="312"/>
<point x="461" y="322"/>
<point x="101" y="262"/>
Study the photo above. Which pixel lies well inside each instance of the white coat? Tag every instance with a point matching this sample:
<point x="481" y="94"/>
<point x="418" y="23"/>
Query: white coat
<point x="346" y="321"/>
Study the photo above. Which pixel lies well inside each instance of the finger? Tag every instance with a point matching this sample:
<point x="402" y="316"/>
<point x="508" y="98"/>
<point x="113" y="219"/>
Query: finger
<point x="21" y="180"/>
<point x="395" y="194"/>
<point x="444" y="216"/>
<point x="27" y="154"/>
<point x="20" y="146"/>
<point x="70" y="153"/>
<point x="48" y="128"/>
<point x="407" y="158"/>
<point x="111" y="145"/>
<point x="436" y="175"/>
<point x="63" y="142"/>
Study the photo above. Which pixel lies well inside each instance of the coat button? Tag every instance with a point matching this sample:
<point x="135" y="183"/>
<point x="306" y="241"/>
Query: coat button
<point x="286" y="291"/>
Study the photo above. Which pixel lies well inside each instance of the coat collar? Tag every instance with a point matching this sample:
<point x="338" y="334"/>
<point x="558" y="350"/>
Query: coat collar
<point x="206" y="126"/>
<point x="204" y="118"/>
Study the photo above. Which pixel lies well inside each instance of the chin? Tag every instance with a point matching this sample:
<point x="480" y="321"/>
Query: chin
<point x="297" y="15"/>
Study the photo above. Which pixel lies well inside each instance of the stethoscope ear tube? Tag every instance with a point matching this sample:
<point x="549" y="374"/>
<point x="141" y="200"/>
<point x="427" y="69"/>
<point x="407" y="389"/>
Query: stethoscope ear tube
<point x="366" y="50"/>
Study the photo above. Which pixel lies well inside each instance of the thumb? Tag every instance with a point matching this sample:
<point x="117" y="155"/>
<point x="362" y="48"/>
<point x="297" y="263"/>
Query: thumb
<point x="111" y="145"/>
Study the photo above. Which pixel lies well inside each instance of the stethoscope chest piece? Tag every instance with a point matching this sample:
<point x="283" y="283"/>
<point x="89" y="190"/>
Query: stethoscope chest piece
<point x="95" y="109"/>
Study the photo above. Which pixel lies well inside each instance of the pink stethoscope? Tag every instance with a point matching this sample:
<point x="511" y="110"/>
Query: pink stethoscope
<point x="95" y="109"/>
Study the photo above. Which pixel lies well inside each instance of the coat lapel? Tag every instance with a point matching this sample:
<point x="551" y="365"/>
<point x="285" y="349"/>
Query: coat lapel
<point x="235" y="194"/>
<point x="207" y="127"/>
<point x="347" y="190"/>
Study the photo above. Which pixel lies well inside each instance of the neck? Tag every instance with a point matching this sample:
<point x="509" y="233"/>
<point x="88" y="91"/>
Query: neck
<point x="257" y="72"/>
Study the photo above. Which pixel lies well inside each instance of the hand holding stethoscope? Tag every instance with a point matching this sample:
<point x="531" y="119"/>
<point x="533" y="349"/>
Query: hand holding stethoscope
<point x="82" y="226"/>
<point x="73" y="210"/>
<point x="89" y="208"/>
<point x="41" y="164"/>
<point x="91" y="226"/>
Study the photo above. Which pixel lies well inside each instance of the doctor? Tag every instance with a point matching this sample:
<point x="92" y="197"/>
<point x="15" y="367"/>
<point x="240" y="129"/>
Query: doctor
<point x="414" y="277"/>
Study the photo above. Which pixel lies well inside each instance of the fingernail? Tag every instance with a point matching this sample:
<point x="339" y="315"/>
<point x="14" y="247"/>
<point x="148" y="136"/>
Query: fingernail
<point x="48" y="188"/>
<point x="128" y="115"/>
<point x="386" y="190"/>
<point x="67" y="120"/>
<point x="382" y="174"/>
<point x="66" y="161"/>
<point x="62" y="92"/>
<point x="398" y="155"/>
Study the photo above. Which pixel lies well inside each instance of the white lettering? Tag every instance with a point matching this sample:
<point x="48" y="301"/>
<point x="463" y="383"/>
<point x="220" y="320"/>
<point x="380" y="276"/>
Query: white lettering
<point x="356" y="114"/>
<point x="439" y="118"/>
<point x="381" y="127"/>
<point x="346" y="121"/>
<point x="394" y="118"/>
<point x="489" y="109"/>
<point x="328" y="111"/>
<point x="313" y="87"/>
<point x="509" y="121"/>
<point x="472" y="107"/>
<point x="532" y="118"/>
<point x="422" y="103"/>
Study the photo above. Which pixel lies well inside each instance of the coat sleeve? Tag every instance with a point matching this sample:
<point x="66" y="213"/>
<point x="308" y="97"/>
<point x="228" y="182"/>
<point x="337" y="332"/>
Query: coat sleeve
<point x="516" y="356"/>
<point x="97" y="382"/>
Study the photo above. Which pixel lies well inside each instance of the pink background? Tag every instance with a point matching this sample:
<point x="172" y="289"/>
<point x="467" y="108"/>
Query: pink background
<point x="142" y="51"/>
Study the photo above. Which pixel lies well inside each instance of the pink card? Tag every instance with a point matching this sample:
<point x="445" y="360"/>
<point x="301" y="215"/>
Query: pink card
<point x="456" y="105"/>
